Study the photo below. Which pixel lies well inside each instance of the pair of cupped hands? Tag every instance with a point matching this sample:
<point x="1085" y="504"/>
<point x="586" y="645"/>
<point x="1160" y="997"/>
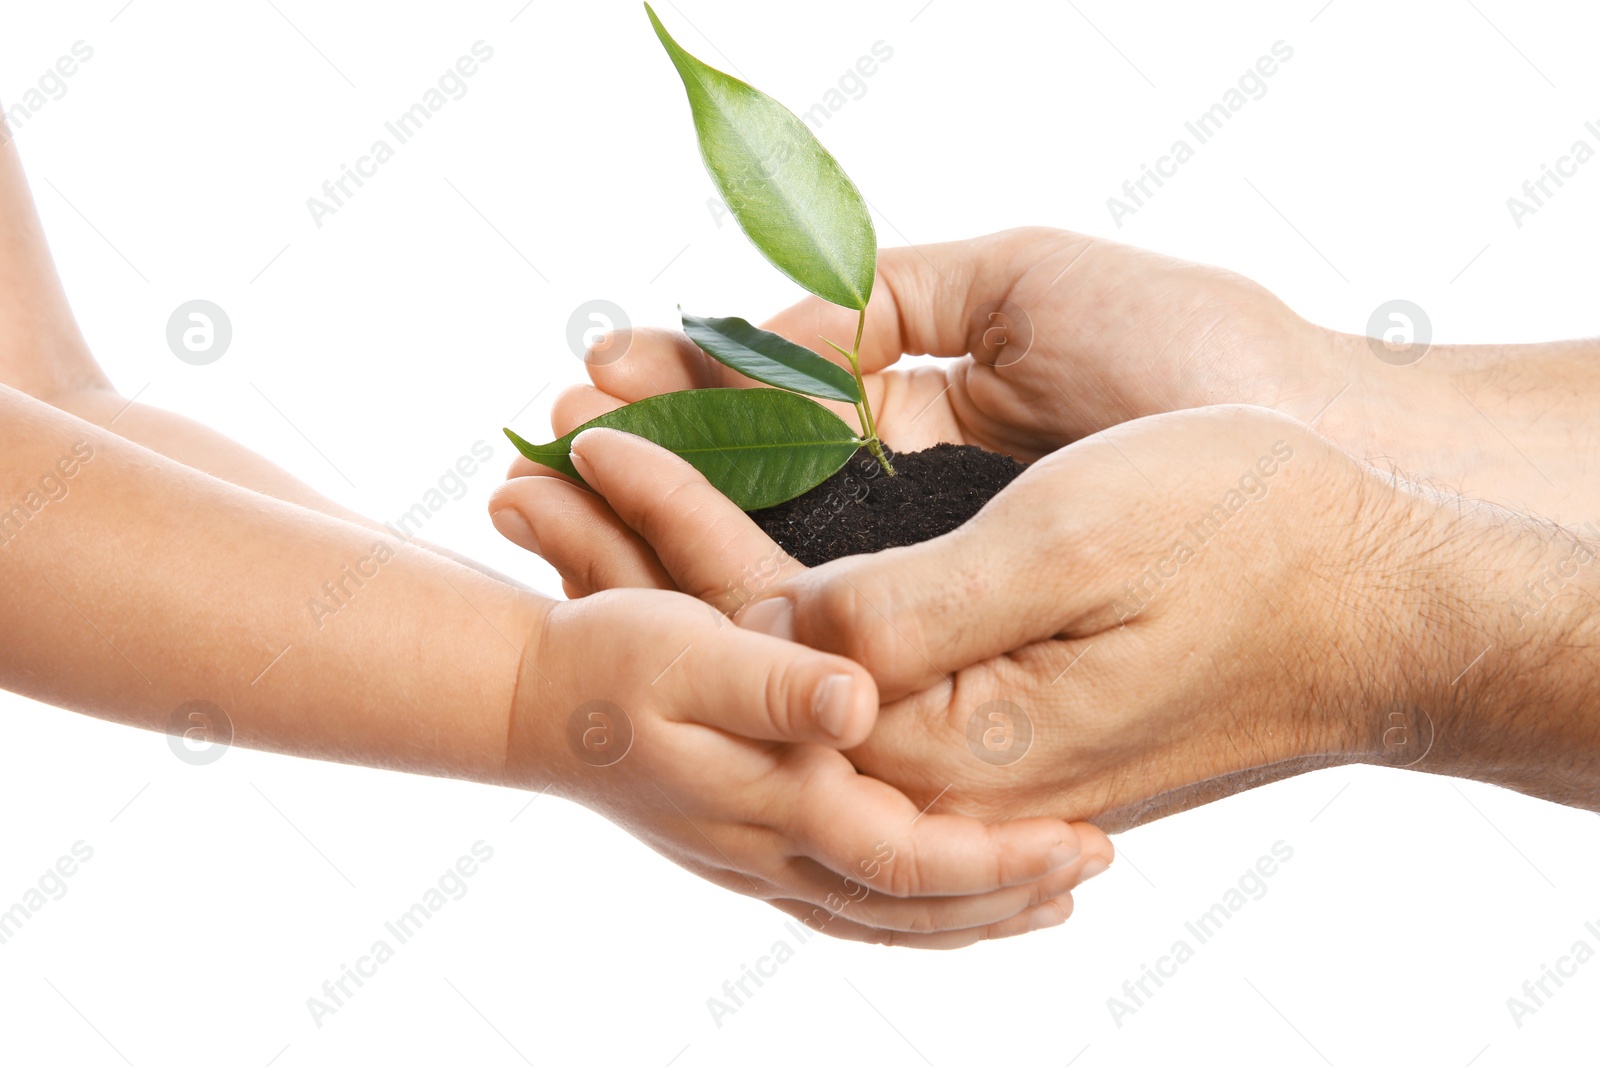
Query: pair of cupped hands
<point x="1140" y="623"/>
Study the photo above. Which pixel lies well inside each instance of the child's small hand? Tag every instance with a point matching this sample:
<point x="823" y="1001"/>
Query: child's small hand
<point x="718" y="748"/>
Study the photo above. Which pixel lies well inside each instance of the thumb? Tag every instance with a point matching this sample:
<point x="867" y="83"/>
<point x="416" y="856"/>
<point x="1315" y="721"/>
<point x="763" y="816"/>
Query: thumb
<point x="934" y="299"/>
<point x="754" y="686"/>
<point x="914" y="615"/>
<point x="649" y="648"/>
<point x="712" y="550"/>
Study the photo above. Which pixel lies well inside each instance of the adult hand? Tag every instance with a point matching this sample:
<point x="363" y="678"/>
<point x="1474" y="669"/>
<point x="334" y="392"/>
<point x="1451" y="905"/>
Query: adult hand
<point x="1052" y="336"/>
<point x="716" y="746"/>
<point x="1161" y="614"/>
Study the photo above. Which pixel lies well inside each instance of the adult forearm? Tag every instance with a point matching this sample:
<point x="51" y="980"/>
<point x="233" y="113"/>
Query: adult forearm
<point x="1530" y="700"/>
<point x="1484" y="633"/>
<point x="136" y="584"/>
<point x="1517" y="425"/>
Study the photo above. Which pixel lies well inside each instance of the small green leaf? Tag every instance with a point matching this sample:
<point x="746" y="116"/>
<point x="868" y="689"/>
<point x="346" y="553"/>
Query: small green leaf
<point x="793" y="200"/>
<point x="760" y="447"/>
<point x="769" y="358"/>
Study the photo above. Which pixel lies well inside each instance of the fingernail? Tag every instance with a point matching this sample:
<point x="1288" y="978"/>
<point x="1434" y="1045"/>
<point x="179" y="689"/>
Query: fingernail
<point x="774" y="616"/>
<point x="832" y="704"/>
<point x="579" y="462"/>
<point x="1046" y="915"/>
<point x="1063" y="854"/>
<point x="1092" y="867"/>
<point x="514" y="528"/>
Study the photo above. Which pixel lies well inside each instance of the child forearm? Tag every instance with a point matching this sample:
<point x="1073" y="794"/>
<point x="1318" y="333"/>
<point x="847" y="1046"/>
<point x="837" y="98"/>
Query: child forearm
<point x="135" y="584"/>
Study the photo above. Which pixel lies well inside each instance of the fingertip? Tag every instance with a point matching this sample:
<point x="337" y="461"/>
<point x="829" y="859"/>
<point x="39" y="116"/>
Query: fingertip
<point x="773" y="616"/>
<point x="599" y="437"/>
<point x="579" y="456"/>
<point x="607" y="349"/>
<point x="1098" y="853"/>
<point x="514" y="527"/>
<point x="655" y="360"/>
<point x="589" y="449"/>
<point x="579" y="404"/>
<point x="1063" y="853"/>
<point x="603" y="450"/>
<point x="833" y="704"/>
<point x="1051" y="913"/>
<point x="521" y="507"/>
<point x="1093" y="866"/>
<point x="1029" y="849"/>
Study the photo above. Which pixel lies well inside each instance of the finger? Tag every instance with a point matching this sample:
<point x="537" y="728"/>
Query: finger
<point x="808" y="880"/>
<point x="577" y="405"/>
<point x="866" y="830"/>
<point x="930" y="299"/>
<point x="1052" y="912"/>
<point x="660" y="361"/>
<point x="801" y="878"/>
<point x="523" y="467"/>
<point x="916" y="614"/>
<point x="573" y="407"/>
<point x="577" y="534"/>
<point x="711" y="549"/>
<point x="664" y="361"/>
<point x="746" y="683"/>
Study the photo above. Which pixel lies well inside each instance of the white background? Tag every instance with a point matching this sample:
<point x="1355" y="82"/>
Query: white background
<point x="433" y="308"/>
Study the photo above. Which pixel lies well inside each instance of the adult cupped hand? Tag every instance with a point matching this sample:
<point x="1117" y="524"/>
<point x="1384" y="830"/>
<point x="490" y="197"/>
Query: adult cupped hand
<point x="1158" y="615"/>
<point x="1050" y="336"/>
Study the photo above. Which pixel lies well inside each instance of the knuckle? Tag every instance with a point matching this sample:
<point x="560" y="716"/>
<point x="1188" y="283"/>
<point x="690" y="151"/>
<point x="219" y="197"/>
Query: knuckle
<point x="848" y="617"/>
<point x="593" y="575"/>
<point x="665" y="516"/>
<point x="782" y="700"/>
<point x="905" y="879"/>
<point x="1004" y="867"/>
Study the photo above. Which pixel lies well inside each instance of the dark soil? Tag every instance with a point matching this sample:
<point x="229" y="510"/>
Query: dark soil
<point x="862" y="509"/>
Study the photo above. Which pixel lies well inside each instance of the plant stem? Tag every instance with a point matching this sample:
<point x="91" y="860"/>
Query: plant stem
<point x="869" y="428"/>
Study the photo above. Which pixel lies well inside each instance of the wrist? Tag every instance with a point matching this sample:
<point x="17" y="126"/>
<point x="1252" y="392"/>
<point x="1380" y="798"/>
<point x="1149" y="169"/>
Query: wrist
<point x="1407" y="414"/>
<point x="530" y="738"/>
<point x="1532" y="717"/>
<point x="1488" y="643"/>
<point x="1507" y="424"/>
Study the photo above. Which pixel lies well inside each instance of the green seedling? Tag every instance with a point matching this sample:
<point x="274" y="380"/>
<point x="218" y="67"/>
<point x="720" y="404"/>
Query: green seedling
<point x="761" y="447"/>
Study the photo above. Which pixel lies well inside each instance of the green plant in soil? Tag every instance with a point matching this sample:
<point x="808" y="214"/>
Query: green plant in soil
<point x="762" y="447"/>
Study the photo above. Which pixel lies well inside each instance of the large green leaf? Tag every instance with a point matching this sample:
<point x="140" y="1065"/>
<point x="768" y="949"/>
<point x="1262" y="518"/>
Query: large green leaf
<point x="767" y="357"/>
<point x="760" y="447"/>
<point x="794" y="201"/>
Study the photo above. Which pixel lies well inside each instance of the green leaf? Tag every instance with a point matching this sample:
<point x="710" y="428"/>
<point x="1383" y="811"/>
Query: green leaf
<point x="766" y="357"/>
<point x="760" y="447"/>
<point x="793" y="200"/>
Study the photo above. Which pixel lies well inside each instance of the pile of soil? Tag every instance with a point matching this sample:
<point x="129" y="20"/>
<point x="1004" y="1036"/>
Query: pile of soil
<point x="862" y="509"/>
